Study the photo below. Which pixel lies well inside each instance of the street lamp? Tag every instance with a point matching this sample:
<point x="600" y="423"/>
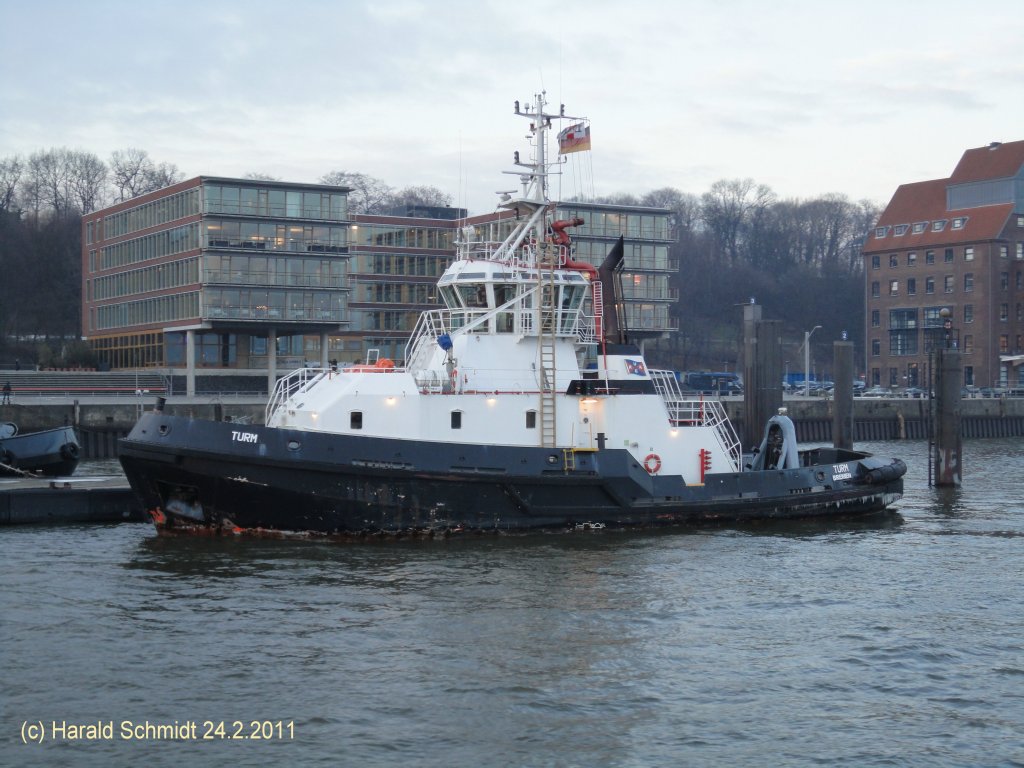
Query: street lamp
<point x="807" y="360"/>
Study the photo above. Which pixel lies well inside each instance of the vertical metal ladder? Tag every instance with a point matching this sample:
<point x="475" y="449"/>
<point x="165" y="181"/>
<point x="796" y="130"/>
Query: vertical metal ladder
<point x="548" y="258"/>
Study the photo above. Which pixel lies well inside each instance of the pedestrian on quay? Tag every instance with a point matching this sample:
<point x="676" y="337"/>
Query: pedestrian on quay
<point x="7" y="393"/>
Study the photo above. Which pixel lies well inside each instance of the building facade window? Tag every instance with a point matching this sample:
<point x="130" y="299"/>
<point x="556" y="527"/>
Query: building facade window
<point x="929" y="257"/>
<point x="911" y="286"/>
<point x="948" y="284"/>
<point x="929" y="285"/>
<point x="1004" y="343"/>
<point x="876" y="261"/>
<point x="969" y="253"/>
<point x="1004" y="251"/>
<point x="875" y="318"/>
<point x="968" y="343"/>
<point x="903" y="331"/>
<point x="968" y="282"/>
<point x="876" y="348"/>
<point x="968" y="313"/>
<point x="911" y="259"/>
<point x="1004" y="312"/>
<point x="875" y="289"/>
<point x="894" y="287"/>
<point x="894" y="260"/>
<point x="948" y="254"/>
<point x="1004" y="281"/>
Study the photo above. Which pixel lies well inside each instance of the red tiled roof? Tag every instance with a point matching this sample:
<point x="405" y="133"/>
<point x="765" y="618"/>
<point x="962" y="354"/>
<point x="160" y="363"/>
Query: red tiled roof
<point x="996" y="161"/>
<point x="925" y="201"/>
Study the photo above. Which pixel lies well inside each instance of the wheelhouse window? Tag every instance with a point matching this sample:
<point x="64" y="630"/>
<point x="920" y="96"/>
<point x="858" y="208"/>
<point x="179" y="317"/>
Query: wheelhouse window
<point x="456" y="419"/>
<point x="355" y="420"/>
<point x="531" y="419"/>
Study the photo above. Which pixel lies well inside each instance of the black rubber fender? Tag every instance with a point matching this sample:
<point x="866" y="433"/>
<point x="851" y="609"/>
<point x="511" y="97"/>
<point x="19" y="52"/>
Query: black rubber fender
<point x="893" y="471"/>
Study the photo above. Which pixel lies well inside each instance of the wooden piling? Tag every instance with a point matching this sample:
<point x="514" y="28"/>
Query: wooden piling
<point x="762" y="373"/>
<point x="842" y="392"/>
<point x="947" y="456"/>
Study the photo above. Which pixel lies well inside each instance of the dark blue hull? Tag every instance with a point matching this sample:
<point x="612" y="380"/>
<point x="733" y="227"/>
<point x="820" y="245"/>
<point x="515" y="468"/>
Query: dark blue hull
<point x="208" y="477"/>
<point x="50" y="452"/>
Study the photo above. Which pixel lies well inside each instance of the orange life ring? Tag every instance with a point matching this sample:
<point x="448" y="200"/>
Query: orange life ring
<point x="652" y="463"/>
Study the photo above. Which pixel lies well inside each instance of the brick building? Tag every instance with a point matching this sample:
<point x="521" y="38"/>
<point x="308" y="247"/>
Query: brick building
<point x="957" y="244"/>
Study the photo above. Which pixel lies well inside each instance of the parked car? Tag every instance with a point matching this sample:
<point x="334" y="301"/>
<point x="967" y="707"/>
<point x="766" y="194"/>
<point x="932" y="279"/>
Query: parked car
<point x="993" y="392"/>
<point x="876" y="391"/>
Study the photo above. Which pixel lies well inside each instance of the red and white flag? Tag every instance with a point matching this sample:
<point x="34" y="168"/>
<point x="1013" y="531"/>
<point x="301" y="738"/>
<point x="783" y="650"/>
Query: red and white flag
<point x="575" y="138"/>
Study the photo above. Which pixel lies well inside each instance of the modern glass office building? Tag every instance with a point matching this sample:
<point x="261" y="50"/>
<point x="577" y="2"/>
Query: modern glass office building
<point x="217" y="274"/>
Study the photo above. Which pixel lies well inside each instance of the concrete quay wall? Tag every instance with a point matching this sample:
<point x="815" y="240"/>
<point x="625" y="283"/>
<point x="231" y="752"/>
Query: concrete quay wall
<point x="101" y="424"/>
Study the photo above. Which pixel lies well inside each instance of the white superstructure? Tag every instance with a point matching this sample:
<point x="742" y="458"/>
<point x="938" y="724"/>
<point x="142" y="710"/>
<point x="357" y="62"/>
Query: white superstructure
<point x="518" y="357"/>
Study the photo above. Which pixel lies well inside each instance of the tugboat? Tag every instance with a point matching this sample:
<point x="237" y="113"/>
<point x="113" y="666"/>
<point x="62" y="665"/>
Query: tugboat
<point x="522" y="405"/>
<point x="49" y="452"/>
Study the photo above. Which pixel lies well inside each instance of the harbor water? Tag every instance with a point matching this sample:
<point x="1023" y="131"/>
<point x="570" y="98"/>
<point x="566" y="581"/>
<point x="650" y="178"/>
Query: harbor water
<point x="893" y="641"/>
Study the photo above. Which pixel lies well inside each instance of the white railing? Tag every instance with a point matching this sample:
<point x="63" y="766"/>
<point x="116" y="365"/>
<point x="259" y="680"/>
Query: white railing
<point x="696" y="411"/>
<point x="295" y="382"/>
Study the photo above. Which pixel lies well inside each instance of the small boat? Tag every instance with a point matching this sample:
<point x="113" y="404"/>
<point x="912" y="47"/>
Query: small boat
<point x="51" y="452"/>
<point x="522" y="405"/>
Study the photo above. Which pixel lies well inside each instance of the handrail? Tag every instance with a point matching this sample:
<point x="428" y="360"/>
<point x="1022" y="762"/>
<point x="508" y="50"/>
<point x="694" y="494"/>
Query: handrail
<point x="690" y="411"/>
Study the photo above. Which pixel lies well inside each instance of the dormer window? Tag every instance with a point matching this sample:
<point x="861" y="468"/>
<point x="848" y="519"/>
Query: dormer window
<point x="881" y="232"/>
<point x="919" y="227"/>
<point x="900" y="229"/>
<point x="938" y="226"/>
<point x="959" y="222"/>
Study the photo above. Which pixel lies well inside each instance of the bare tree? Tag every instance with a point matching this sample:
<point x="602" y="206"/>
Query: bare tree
<point x="128" y="169"/>
<point x="257" y="176"/>
<point x="88" y="181"/>
<point x="160" y="176"/>
<point x="11" y="169"/>
<point x="425" y="196"/>
<point x="727" y="209"/>
<point x="134" y="173"/>
<point x="367" y="195"/>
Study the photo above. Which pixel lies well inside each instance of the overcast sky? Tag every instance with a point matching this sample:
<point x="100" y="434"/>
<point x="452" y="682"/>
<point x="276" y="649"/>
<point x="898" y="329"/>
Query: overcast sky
<point x="806" y="97"/>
